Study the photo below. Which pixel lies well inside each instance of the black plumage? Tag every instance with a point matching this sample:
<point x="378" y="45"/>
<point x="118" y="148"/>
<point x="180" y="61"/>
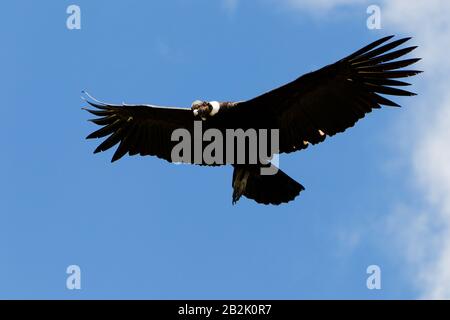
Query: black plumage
<point x="317" y="105"/>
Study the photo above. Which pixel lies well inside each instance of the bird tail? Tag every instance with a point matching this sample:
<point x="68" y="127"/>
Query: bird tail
<point x="275" y="189"/>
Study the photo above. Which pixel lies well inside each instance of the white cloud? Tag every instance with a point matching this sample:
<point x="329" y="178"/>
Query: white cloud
<point x="427" y="237"/>
<point x="319" y="6"/>
<point x="423" y="234"/>
<point x="311" y="6"/>
<point x="230" y="5"/>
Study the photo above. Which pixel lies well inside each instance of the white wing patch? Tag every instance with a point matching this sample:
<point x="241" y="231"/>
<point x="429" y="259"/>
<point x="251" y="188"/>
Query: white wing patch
<point x="216" y="108"/>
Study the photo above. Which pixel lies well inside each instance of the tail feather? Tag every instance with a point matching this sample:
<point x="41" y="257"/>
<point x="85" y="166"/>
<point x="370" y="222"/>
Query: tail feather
<point x="265" y="189"/>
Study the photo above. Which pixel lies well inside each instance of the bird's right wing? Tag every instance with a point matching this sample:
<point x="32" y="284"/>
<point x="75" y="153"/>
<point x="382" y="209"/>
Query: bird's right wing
<point x="332" y="99"/>
<point x="138" y="129"/>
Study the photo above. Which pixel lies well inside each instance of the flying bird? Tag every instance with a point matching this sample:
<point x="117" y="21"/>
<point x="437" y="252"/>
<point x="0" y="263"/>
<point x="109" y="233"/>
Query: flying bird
<point x="305" y="112"/>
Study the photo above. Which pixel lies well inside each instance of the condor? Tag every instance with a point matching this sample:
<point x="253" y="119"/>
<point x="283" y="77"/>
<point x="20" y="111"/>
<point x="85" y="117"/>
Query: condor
<point x="305" y="111"/>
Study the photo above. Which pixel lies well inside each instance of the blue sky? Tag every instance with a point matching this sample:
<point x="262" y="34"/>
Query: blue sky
<point x="137" y="228"/>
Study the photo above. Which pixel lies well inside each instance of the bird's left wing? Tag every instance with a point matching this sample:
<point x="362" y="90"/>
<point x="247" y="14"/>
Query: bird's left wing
<point x="138" y="129"/>
<point x="332" y="99"/>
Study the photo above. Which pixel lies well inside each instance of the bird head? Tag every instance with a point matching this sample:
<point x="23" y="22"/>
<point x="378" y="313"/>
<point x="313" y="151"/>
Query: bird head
<point x="201" y="108"/>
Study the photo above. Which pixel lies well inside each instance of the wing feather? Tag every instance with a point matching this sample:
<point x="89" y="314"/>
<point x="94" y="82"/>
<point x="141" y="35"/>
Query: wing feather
<point x="137" y="129"/>
<point x="335" y="97"/>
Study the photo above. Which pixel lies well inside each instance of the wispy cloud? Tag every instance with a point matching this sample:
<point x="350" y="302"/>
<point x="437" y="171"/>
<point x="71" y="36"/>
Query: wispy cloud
<point x="167" y="52"/>
<point x="427" y="237"/>
<point x="311" y="6"/>
<point x="230" y="5"/>
<point x="321" y="6"/>
<point x="422" y="230"/>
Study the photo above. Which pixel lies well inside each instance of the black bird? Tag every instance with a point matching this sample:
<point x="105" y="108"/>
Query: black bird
<point x="305" y="111"/>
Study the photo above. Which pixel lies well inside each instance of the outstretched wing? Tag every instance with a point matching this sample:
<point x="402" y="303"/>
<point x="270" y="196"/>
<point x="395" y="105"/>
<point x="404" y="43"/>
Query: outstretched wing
<point x="138" y="129"/>
<point x="334" y="98"/>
